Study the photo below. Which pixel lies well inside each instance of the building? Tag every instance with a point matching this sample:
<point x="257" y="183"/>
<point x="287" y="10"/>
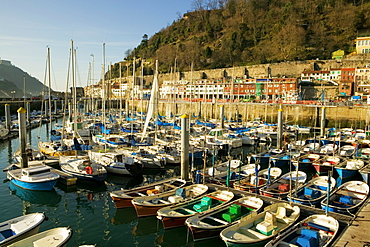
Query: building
<point x="362" y="45"/>
<point x="362" y="80"/>
<point x="346" y="81"/>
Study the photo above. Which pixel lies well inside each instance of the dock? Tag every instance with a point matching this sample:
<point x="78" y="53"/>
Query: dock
<point x="356" y="234"/>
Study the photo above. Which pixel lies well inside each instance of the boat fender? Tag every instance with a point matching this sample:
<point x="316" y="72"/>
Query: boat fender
<point x="89" y="170"/>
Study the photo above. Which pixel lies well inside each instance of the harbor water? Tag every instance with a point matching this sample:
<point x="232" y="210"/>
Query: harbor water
<point x="88" y="209"/>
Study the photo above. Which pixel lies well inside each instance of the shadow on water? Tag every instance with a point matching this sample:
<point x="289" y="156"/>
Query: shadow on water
<point x="124" y="216"/>
<point x="145" y="226"/>
<point x="50" y="198"/>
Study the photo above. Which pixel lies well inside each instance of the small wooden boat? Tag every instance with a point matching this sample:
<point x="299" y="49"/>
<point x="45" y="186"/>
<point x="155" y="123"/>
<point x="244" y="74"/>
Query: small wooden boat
<point x="209" y="225"/>
<point x="325" y="164"/>
<point x="257" y="229"/>
<point x="313" y="192"/>
<point x="349" y="168"/>
<point x="347" y="197"/>
<point x="55" y="237"/>
<point x="19" y="228"/>
<point x="347" y="150"/>
<point x="234" y="175"/>
<point x="305" y="161"/>
<point x="122" y="198"/>
<point x="149" y="205"/>
<point x="252" y="182"/>
<point x="33" y="178"/>
<point x="176" y="215"/>
<point x="281" y="187"/>
<point x="222" y="167"/>
<point x="315" y="230"/>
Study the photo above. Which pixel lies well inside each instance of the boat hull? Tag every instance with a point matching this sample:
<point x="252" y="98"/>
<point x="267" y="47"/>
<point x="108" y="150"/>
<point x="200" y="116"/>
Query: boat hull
<point x="41" y="186"/>
<point x="86" y="177"/>
<point x="202" y="234"/>
<point x="122" y="202"/>
<point x="144" y="211"/>
<point x="172" y="222"/>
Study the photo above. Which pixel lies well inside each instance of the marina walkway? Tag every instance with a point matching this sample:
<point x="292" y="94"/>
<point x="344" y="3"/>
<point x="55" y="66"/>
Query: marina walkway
<point x="357" y="233"/>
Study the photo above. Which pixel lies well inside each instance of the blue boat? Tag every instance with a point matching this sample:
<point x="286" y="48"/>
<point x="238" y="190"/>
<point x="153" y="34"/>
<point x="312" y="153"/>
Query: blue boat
<point x="33" y="178"/>
<point x="313" y="192"/>
<point x="349" y="168"/>
<point x="347" y="198"/>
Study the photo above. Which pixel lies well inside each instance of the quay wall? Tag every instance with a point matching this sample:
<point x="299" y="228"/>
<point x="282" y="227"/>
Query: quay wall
<point x="306" y="115"/>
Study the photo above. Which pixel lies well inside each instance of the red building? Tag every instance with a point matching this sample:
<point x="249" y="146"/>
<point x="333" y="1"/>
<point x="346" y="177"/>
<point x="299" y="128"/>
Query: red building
<point x="346" y="82"/>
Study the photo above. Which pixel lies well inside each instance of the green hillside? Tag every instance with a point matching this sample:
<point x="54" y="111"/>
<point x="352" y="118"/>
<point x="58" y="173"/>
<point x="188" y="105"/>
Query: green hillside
<point x="12" y="83"/>
<point x="239" y="32"/>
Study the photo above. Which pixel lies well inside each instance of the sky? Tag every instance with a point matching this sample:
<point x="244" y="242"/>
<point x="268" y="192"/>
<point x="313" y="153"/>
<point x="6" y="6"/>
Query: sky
<point x="28" y="28"/>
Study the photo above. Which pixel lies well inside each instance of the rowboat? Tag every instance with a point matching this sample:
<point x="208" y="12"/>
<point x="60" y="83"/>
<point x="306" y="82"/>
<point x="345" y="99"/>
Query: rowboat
<point x="257" y="229"/>
<point x="122" y="198"/>
<point x="20" y="227"/>
<point x="315" y="230"/>
<point x="289" y="182"/>
<point x="252" y="182"/>
<point x="313" y="192"/>
<point x="176" y="215"/>
<point x="149" y="205"/>
<point x="209" y="225"/>
<point x="347" y="197"/>
<point x="349" y="168"/>
<point x="55" y="237"/>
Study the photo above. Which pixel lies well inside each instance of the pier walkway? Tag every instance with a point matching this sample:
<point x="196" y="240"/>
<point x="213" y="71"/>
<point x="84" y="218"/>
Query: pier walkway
<point x="356" y="233"/>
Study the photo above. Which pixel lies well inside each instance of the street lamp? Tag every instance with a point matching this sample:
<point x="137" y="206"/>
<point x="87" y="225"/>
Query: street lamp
<point x="13" y="94"/>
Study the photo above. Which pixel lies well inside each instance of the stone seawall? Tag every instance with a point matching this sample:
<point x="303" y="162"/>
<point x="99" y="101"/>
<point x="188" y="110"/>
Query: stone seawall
<point x="306" y="115"/>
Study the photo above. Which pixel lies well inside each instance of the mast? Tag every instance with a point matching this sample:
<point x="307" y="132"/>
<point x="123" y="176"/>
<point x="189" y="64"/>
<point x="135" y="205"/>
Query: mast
<point x="133" y="95"/>
<point x="74" y="94"/>
<point x="120" y="98"/>
<point x="104" y="96"/>
<point x="49" y="85"/>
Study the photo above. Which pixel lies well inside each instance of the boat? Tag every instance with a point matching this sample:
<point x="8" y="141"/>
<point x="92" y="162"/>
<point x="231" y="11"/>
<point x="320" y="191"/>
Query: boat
<point x="315" y="230"/>
<point x="222" y="167"/>
<point x="252" y="182"/>
<point x="149" y="205"/>
<point x="176" y="215"/>
<point x="313" y="192"/>
<point x="326" y="164"/>
<point x="81" y="167"/>
<point x="347" y="150"/>
<point x="258" y="229"/>
<point x="209" y="225"/>
<point x="122" y="198"/>
<point x="305" y="161"/>
<point x="289" y="182"/>
<point x="115" y="162"/>
<point x="349" y="168"/>
<point x="347" y="198"/>
<point x="55" y="237"/>
<point x="20" y="227"/>
<point x="33" y="178"/>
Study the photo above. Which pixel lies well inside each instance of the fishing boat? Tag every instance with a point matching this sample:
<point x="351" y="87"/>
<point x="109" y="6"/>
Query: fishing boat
<point x="33" y="178"/>
<point x="149" y="205"/>
<point x="313" y="192"/>
<point x="176" y="215"/>
<point x="115" y="162"/>
<point x="20" y="227"/>
<point x="305" y="161"/>
<point x="257" y="229"/>
<point x="349" y="168"/>
<point x="347" y="197"/>
<point x="234" y="174"/>
<point x="122" y="198"/>
<point x="254" y="181"/>
<point x="289" y="182"/>
<point x="81" y="167"/>
<point x="315" y="230"/>
<point x="209" y="225"/>
<point x="55" y="237"/>
<point x="325" y="164"/>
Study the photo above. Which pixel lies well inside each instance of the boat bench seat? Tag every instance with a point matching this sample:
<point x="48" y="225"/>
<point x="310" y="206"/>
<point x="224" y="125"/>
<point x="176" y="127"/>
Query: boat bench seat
<point x="251" y="233"/>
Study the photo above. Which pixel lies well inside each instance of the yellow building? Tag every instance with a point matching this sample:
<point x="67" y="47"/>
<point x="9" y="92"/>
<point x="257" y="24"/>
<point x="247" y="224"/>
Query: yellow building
<point x="362" y="45"/>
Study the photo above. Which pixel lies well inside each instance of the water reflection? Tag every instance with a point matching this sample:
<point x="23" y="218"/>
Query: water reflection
<point x="124" y="216"/>
<point x="145" y="226"/>
<point x="49" y="198"/>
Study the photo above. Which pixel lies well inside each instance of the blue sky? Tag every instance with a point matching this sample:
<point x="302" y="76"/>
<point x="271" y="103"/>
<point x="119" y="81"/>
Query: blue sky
<point x="29" y="27"/>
